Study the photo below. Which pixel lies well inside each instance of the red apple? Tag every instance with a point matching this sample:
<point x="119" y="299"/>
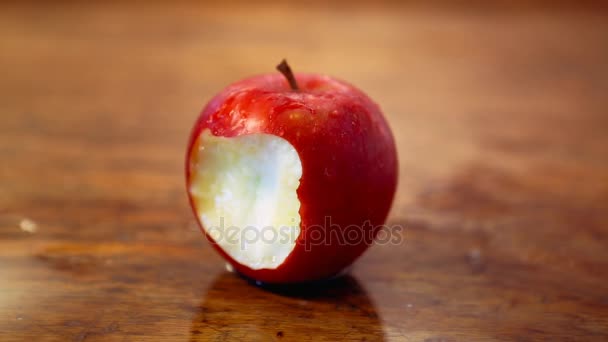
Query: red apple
<point x="291" y="176"/>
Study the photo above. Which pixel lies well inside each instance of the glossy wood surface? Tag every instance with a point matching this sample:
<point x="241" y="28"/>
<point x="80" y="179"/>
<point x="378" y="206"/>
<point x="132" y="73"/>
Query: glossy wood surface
<point x="501" y="119"/>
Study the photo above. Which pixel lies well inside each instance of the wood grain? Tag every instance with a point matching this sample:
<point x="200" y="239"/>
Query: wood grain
<point x="500" y="114"/>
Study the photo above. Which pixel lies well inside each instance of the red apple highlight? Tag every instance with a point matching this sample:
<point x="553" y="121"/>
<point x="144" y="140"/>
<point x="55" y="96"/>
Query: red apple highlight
<point x="291" y="176"/>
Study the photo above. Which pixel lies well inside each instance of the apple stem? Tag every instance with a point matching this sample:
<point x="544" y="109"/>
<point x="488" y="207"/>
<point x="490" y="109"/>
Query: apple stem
<point x="284" y="68"/>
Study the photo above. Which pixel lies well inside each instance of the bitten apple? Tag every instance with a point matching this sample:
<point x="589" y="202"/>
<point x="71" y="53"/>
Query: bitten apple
<point x="291" y="176"/>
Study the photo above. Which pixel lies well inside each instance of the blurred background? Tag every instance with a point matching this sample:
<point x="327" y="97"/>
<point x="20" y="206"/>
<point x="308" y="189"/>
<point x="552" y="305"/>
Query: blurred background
<point x="500" y="113"/>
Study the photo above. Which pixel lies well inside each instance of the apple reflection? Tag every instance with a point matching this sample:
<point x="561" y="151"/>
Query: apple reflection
<point x="335" y="310"/>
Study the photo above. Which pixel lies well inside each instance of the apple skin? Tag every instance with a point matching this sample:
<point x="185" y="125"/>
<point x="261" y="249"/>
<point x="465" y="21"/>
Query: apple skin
<point x="348" y="156"/>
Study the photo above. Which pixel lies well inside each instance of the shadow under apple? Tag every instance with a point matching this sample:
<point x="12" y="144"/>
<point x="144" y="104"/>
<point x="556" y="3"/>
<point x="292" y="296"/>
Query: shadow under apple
<point x="334" y="310"/>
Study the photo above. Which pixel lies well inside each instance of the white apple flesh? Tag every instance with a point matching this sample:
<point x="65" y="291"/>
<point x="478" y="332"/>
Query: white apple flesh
<point x="244" y="190"/>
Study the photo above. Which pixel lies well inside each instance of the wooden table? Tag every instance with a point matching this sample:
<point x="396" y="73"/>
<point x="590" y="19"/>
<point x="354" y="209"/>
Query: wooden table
<point x="501" y="119"/>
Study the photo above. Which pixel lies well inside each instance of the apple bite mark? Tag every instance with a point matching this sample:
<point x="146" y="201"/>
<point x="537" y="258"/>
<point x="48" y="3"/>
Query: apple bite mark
<point x="244" y="191"/>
